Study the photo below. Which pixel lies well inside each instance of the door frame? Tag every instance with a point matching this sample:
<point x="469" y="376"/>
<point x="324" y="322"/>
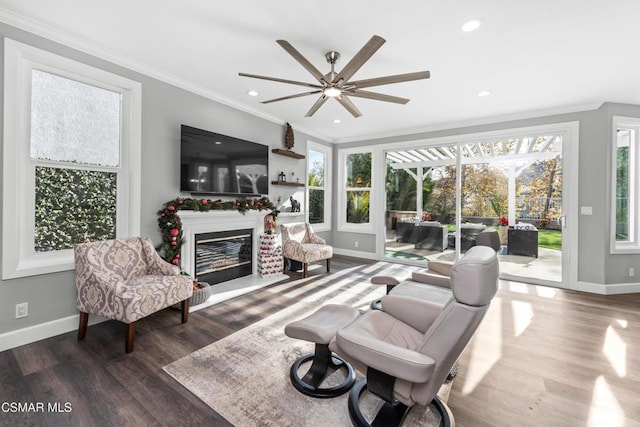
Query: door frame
<point x="570" y="150"/>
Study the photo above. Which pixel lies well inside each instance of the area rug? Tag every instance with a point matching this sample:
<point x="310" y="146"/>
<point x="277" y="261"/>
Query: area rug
<point x="245" y="376"/>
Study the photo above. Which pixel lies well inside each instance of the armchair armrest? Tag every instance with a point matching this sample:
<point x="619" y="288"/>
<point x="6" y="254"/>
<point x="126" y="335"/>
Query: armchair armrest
<point x="156" y="265"/>
<point x="314" y="238"/>
<point x="396" y="361"/>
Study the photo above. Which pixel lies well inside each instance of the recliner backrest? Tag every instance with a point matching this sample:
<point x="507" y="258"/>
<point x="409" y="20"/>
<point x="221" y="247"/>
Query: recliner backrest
<point x="474" y="281"/>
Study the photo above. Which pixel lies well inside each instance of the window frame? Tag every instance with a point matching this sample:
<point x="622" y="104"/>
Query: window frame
<point x="327" y="152"/>
<point x="343" y="225"/>
<point x="633" y="245"/>
<point x="19" y="258"/>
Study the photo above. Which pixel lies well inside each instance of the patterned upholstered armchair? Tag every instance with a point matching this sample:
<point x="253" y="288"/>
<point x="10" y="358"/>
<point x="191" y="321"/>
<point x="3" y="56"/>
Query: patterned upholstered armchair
<point x="126" y="280"/>
<point x="299" y="243"/>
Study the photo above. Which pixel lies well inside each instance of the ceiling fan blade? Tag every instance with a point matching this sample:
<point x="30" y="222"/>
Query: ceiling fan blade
<point x="398" y="78"/>
<point x="292" y="96"/>
<point x="377" y="96"/>
<point x="359" y="59"/>
<point x="302" y="60"/>
<point x="317" y="105"/>
<point x="275" y="79"/>
<point x="346" y="103"/>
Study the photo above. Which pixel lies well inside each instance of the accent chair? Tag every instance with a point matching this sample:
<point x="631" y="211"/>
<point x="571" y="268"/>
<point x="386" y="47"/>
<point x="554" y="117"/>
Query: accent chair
<point x="126" y="280"/>
<point x="300" y="243"/>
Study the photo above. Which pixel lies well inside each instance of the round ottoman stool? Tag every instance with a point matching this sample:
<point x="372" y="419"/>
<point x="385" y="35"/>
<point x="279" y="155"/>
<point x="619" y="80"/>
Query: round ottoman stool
<point x="320" y="328"/>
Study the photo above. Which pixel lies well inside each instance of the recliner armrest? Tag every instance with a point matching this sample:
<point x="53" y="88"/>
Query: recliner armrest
<point x="387" y="280"/>
<point x="396" y="361"/>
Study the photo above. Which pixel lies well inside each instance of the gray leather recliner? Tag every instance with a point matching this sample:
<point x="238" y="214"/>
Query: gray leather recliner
<point x="408" y="348"/>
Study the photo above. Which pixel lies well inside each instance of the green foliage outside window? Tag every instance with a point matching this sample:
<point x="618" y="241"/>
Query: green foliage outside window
<point x="73" y="206"/>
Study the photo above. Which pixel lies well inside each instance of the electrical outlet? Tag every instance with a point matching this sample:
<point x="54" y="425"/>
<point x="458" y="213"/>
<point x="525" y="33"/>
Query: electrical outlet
<point x="632" y="272"/>
<point x="356" y="243"/>
<point x="22" y="310"/>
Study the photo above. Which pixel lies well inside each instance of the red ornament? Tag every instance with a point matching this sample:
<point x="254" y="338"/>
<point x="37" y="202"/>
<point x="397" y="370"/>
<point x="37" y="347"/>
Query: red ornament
<point x="174" y="232"/>
<point x="205" y="201"/>
<point x="175" y="261"/>
<point x="180" y="201"/>
<point x="173" y="243"/>
<point x="171" y="208"/>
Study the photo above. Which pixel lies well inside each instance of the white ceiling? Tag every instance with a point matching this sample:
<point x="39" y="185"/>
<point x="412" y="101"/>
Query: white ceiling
<point x="536" y="57"/>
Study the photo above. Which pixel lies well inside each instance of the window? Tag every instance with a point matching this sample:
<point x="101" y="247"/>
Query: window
<point x="319" y="186"/>
<point x="355" y="203"/>
<point x="72" y="143"/>
<point x="625" y="158"/>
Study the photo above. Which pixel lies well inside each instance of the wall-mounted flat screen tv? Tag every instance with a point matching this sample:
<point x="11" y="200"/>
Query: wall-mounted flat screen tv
<point x="211" y="163"/>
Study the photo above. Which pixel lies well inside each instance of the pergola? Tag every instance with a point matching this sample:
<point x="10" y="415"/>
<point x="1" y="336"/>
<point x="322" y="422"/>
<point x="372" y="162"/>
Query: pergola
<point x="512" y="156"/>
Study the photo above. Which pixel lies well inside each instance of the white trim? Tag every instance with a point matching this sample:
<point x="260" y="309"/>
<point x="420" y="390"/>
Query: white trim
<point x="327" y="152"/>
<point x="19" y="257"/>
<point x="343" y="225"/>
<point x="19" y="337"/>
<point x="356" y="254"/>
<point x="632" y="246"/>
<point x="608" y="289"/>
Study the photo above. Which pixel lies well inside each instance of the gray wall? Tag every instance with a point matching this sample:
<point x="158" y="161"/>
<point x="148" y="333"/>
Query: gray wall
<point x="595" y="263"/>
<point x="164" y="109"/>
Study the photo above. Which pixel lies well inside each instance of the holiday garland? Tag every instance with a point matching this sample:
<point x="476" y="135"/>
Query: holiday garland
<point x="171" y="226"/>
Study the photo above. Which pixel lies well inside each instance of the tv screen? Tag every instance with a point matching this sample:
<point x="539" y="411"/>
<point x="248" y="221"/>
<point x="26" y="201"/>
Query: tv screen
<point x="212" y="163"/>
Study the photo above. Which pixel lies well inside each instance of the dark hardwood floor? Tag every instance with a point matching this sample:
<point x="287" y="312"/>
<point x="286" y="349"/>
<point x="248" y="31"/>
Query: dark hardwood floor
<point x="541" y="357"/>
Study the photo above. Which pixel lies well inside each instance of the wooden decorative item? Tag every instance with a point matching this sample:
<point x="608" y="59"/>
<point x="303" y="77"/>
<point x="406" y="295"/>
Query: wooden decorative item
<point x="288" y="137"/>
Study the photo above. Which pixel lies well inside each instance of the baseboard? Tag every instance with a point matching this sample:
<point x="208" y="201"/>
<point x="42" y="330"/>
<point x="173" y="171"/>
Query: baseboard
<point x="355" y="254"/>
<point x="609" y="289"/>
<point x="42" y="331"/>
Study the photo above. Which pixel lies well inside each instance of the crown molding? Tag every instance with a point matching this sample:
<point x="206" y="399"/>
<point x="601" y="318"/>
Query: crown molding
<point x="42" y="30"/>
<point x="475" y="122"/>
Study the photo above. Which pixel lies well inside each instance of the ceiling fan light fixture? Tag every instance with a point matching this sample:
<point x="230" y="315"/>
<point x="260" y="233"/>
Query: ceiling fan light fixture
<point x="253" y="93"/>
<point x="332" y="92"/>
<point x="471" y="25"/>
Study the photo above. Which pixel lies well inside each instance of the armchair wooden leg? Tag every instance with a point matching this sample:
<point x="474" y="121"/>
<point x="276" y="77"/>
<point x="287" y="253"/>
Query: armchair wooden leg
<point x="131" y="334"/>
<point x="328" y="265"/>
<point x="305" y="266"/>
<point x="185" y="310"/>
<point x="82" y="327"/>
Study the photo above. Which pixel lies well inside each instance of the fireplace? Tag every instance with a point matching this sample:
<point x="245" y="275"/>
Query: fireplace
<point x="223" y="255"/>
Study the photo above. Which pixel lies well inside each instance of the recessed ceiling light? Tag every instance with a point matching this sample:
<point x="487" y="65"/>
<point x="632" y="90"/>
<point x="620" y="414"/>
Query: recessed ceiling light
<point x="471" y="25"/>
<point x="252" y="93"/>
<point x="484" y="93"/>
<point x="337" y="121"/>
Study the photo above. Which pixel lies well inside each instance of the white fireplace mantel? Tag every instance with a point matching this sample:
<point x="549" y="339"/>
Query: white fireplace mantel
<point x="195" y="222"/>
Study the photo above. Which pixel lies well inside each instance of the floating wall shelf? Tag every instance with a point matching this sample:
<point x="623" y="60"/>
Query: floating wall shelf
<point x="290" y="184"/>
<point x="287" y="153"/>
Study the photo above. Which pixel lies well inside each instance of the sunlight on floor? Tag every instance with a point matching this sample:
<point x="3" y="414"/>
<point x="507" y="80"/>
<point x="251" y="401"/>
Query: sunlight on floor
<point x="522" y="315"/>
<point x="605" y="409"/>
<point x="615" y="349"/>
<point x="546" y="292"/>
<point x="483" y="358"/>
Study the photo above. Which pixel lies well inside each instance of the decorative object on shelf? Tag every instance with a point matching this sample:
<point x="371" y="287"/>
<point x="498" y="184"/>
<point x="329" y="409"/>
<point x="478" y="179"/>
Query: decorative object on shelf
<point x="282" y="177"/>
<point x="171" y="226"/>
<point x="295" y="205"/>
<point x="288" y="137"/>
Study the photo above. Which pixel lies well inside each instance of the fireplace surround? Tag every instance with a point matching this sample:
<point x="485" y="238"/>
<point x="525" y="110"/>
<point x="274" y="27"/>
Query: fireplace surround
<point x="195" y="222"/>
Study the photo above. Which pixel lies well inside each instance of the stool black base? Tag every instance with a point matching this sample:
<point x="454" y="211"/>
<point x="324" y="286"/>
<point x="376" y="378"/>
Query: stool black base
<point x="322" y="360"/>
<point x="391" y="415"/>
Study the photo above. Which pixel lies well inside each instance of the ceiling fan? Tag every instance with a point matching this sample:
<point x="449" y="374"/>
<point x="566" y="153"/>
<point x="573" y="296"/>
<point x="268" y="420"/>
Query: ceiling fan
<point x="338" y="85"/>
